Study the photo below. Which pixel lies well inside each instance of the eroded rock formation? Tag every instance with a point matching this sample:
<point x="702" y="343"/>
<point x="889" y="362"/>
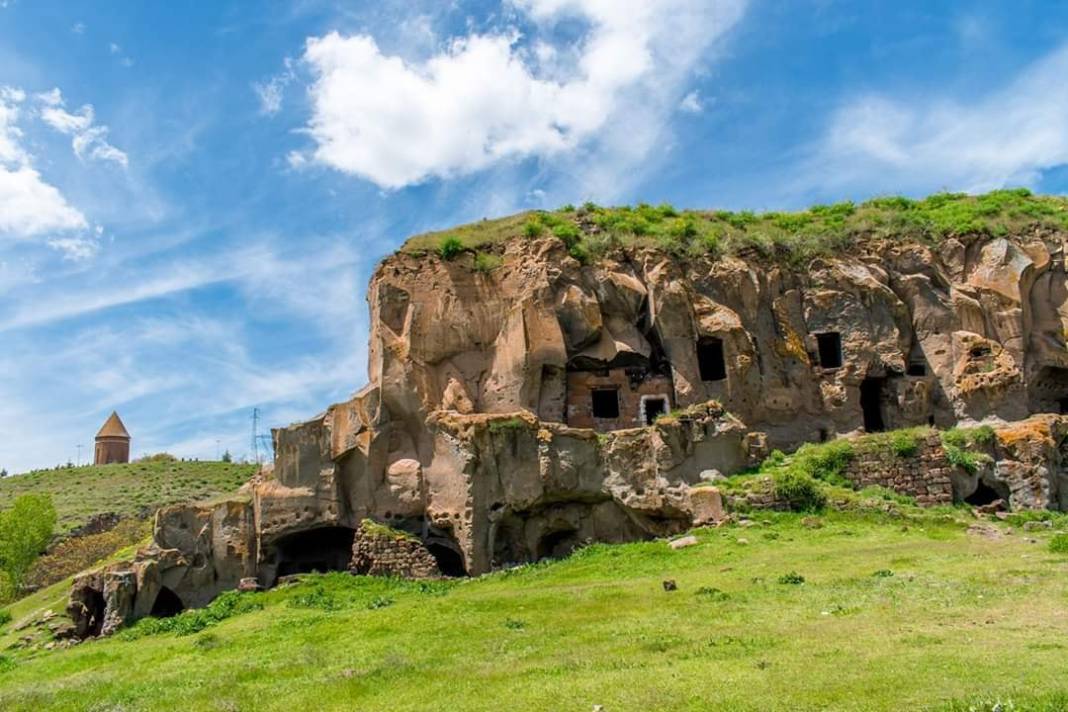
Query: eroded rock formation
<point x="509" y="413"/>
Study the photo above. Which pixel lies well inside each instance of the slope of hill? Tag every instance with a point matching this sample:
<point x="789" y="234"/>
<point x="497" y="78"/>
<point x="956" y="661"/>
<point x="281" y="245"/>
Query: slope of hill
<point x="134" y="489"/>
<point x="885" y="607"/>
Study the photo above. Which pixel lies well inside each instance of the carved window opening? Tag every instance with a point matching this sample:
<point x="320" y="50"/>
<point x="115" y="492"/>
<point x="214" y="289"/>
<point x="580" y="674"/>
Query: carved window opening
<point x="1062" y="406"/>
<point x="710" y="360"/>
<point x="916" y="368"/>
<point x="605" y="403"/>
<point x="167" y="604"/>
<point x="830" y="349"/>
<point x="871" y="403"/>
<point x="653" y="408"/>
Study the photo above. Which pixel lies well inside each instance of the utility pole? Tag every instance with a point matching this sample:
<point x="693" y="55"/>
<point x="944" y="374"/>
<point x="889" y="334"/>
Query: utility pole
<point x="255" y="433"/>
<point x="79" y="454"/>
<point x="218" y="455"/>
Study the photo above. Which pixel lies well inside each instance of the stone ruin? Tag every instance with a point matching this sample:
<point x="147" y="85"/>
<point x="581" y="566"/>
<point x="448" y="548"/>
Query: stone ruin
<point x="516" y="413"/>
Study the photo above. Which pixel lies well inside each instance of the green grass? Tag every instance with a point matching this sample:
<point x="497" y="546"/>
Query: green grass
<point x="793" y="238"/>
<point x="598" y="629"/>
<point x="131" y="489"/>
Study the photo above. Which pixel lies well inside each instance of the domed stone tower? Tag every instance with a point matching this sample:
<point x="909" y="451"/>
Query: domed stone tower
<point x="112" y="442"/>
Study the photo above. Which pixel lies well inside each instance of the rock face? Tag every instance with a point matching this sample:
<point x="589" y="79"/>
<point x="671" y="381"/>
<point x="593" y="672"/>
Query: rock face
<point x="512" y="414"/>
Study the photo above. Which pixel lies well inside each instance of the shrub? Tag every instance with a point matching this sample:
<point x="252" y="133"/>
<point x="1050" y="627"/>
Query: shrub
<point x="1059" y="543"/>
<point x="883" y="573"/>
<point x="508" y="425"/>
<point x="826" y="461"/>
<point x="568" y="232"/>
<point x="159" y="457"/>
<point x="25" y="531"/>
<point x="449" y="247"/>
<point x="486" y="262"/>
<point x="514" y="624"/>
<point x="5" y="618"/>
<point x="800" y="491"/>
<point x="904" y="443"/>
<point x="792" y="579"/>
<point x="533" y="228"/>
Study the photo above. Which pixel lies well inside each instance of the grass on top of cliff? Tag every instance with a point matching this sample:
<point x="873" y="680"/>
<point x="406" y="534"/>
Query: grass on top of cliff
<point x="136" y="489"/>
<point x="862" y="610"/>
<point x="591" y="230"/>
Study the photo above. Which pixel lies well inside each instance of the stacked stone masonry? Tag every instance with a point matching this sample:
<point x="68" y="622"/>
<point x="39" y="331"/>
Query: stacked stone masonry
<point x="924" y="475"/>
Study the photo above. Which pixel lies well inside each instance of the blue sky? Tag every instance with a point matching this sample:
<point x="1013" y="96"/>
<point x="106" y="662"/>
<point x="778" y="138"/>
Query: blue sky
<point x="193" y="195"/>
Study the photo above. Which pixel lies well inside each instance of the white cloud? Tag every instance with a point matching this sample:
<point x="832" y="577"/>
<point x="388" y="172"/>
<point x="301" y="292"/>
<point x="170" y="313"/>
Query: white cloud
<point x="29" y="206"/>
<point x="78" y="28"/>
<point x="1007" y="137"/>
<point x="88" y="140"/>
<point x="691" y="103"/>
<point x="487" y="98"/>
<point x="272" y="91"/>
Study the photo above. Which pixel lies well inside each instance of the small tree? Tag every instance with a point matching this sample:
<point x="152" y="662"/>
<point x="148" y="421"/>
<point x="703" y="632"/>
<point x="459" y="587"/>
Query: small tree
<point x="3" y="472"/>
<point x="227" y="457"/>
<point x="25" y="531"/>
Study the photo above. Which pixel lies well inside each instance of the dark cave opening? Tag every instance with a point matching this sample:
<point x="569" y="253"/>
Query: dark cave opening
<point x="556" y="545"/>
<point x="871" y="403"/>
<point x="167" y="604"/>
<point x="710" y="360"/>
<point x="830" y="349"/>
<point x="96" y="606"/>
<point x="448" y="557"/>
<point x="322" y="549"/>
<point x="983" y="494"/>
<point x="605" y="403"/>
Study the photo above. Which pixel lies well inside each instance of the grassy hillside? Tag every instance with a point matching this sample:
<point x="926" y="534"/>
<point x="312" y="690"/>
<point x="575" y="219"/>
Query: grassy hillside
<point x="886" y="607"/>
<point x="793" y="237"/>
<point x="132" y="489"/>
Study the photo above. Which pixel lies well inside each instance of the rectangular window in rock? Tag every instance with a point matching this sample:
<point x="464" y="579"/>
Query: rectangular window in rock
<point x="605" y="403"/>
<point x="652" y="408"/>
<point x="830" y="349"/>
<point x="916" y="368"/>
<point x="710" y="361"/>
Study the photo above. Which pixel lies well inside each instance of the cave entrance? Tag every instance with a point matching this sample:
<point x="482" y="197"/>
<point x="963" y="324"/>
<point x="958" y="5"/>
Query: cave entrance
<point x="448" y="557"/>
<point x="653" y="408"/>
<point x="1062" y="406"/>
<point x="314" y="550"/>
<point x="830" y="349"/>
<point x="983" y="494"/>
<point x="167" y="604"/>
<point x="710" y="361"/>
<point x="95" y="609"/>
<point x="871" y="403"/>
<point x="557" y="545"/>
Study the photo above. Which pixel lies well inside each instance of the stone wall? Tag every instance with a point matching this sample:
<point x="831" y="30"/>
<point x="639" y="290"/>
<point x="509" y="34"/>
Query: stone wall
<point x="381" y="551"/>
<point x="926" y="475"/>
<point x="633" y="386"/>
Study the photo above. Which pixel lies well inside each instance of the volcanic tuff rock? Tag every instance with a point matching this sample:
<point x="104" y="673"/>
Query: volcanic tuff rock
<point x="513" y="413"/>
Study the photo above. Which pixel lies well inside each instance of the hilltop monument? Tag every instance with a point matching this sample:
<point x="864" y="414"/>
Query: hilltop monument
<point x="112" y="442"/>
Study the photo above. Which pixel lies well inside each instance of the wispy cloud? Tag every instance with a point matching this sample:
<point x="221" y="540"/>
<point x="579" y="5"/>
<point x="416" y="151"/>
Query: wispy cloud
<point x="88" y="140"/>
<point x="1011" y="135"/>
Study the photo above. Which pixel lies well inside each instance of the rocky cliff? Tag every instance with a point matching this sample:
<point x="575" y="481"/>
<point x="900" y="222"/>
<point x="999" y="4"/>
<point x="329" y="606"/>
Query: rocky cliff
<point x="550" y="379"/>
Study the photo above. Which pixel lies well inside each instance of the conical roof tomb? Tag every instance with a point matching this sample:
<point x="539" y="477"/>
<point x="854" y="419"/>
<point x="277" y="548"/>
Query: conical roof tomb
<point x="113" y="428"/>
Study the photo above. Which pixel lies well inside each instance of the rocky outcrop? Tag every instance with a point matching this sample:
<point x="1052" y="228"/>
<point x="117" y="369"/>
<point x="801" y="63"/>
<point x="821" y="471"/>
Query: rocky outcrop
<point x="517" y="412"/>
